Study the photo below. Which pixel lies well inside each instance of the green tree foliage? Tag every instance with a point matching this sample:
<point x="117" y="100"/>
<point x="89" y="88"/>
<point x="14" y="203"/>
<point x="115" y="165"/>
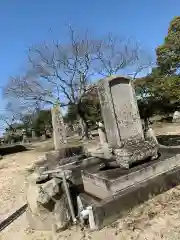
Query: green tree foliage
<point x="42" y="123"/>
<point x="89" y="108"/>
<point x="168" y="54"/>
<point x="160" y="91"/>
<point x="157" y="94"/>
<point x="71" y="116"/>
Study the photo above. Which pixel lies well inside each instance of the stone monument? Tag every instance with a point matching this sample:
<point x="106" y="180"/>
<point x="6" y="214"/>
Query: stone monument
<point x="59" y="132"/>
<point x="176" y="116"/>
<point x="33" y="134"/>
<point x="24" y="137"/>
<point x="122" y="121"/>
<point x="102" y="134"/>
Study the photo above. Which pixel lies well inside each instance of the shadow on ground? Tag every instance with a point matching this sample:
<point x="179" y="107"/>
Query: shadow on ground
<point x="169" y="140"/>
<point x="4" y="150"/>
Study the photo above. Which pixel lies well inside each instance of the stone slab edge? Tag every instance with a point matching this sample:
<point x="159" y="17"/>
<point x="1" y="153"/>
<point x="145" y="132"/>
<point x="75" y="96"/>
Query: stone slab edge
<point x="111" y="208"/>
<point x="132" y="178"/>
<point x="146" y="173"/>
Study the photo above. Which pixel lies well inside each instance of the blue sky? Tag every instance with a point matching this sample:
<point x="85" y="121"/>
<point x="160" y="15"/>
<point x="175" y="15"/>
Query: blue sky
<point x="27" y="22"/>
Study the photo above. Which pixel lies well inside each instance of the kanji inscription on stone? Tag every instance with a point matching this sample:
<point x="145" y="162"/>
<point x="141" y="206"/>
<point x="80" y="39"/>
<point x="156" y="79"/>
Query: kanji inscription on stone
<point x="59" y="132"/>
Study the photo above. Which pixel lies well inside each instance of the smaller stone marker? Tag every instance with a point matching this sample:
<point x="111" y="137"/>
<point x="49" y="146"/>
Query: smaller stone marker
<point x="33" y="134"/>
<point x="43" y="137"/>
<point x="176" y="116"/>
<point x="102" y="134"/>
<point x="24" y="137"/>
<point x="59" y="131"/>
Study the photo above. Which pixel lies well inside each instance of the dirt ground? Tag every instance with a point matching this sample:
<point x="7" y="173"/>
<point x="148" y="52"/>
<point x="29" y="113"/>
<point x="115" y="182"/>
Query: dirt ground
<point x="158" y="218"/>
<point x="12" y="180"/>
<point x="166" y="128"/>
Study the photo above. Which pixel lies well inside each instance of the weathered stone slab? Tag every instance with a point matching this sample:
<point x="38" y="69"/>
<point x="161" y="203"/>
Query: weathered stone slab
<point x="107" y="183"/>
<point x="110" y="209"/>
<point x="119" y="110"/>
<point x="59" y="131"/>
<point x="135" y="151"/>
<point x="102" y="134"/>
<point x="52" y="187"/>
<point x="122" y="122"/>
<point x="101" y="152"/>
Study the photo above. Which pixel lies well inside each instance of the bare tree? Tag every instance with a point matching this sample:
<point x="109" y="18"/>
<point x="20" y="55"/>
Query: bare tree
<point x="16" y="115"/>
<point x="63" y="72"/>
<point x="23" y="113"/>
<point x="119" y="55"/>
<point x="56" y="72"/>
<point x="9" y="121"/>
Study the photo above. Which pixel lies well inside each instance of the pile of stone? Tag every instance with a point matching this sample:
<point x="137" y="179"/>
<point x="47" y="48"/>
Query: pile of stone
<point x="47" y="201"/>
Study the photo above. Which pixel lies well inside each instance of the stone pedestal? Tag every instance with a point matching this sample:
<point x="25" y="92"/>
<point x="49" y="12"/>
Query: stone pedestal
<point x="136" y="151"/>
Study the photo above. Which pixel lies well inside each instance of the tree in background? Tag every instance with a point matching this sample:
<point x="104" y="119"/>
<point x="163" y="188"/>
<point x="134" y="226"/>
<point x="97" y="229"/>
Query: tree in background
<point x="168" y="60"/>
<point x="42" y="123"/>
<point x="64" y="71"/>
<point x="168" y="54"/>
<point x="89" y="108"/>
<point x="160" y="91"/>
<point x="154" y="95"/>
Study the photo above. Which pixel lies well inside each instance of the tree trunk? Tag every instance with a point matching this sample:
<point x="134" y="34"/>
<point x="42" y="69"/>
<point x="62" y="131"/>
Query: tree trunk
<point x="83" y="121"/>
<point x="84" y="128"/>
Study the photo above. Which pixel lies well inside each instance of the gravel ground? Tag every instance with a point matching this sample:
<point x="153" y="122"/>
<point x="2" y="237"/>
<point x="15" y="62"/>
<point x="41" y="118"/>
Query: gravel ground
<point x="166" y="128"/>
<point x="156" y="219"/>
<point x="12" y="180"/>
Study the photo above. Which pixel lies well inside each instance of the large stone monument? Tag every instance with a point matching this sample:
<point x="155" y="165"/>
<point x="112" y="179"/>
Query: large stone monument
<point x="122" y="121"/>
<point x="113" y="182"/>
<point x="59" y="131"/>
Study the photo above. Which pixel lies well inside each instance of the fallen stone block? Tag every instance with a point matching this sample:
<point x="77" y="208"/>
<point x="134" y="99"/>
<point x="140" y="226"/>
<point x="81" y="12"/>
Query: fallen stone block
<point x="43" y="197"/>
<point x="43" y="213"/>
<point x="59" y="174"/>
<point x="51" y="188"/>
<point x="38" y="178"/>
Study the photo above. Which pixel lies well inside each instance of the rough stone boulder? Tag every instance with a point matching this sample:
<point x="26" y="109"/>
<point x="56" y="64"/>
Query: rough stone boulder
<point x="47" y="204"/>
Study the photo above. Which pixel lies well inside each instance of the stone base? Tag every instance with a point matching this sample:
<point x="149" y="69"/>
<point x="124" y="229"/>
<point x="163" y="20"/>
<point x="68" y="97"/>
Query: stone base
<point x="142" y="184"/>
<point x="111" y="208"/>
<point x="102" y="184"/>
<point x="103" y="151"/>
<point x="133" y="152"/>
